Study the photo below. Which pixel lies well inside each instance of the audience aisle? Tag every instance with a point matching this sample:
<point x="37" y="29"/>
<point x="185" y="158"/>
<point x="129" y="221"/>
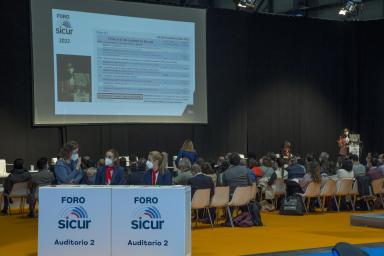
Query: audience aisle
<point x="280" y="233"/>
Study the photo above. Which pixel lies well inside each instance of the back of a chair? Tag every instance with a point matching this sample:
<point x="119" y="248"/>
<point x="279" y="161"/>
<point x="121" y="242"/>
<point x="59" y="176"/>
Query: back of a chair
<point x="3" y="168"/>
<point x="329" y="188"/>
<point x="241" y="196"/>
<point x="355" y="189"/>
<point x="377" y="186"/>
<point x="313" y="190"/>
<point x="19" y="189"/>
<point x="201" y="198"/>
<point x="279" y="187"/>
<point x="221" y="197"/>
<point x="344" y="187"/>
<point x="253" y="191"/>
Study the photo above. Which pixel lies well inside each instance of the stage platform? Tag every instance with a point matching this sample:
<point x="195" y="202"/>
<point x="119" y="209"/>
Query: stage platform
<point x="368" y="220"/>
<point x="18" y="236"/>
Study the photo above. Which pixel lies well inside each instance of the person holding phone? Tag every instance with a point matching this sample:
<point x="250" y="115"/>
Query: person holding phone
<point x="68" y="166"/>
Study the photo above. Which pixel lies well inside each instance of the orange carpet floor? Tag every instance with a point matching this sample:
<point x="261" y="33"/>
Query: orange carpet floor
<point x="18" y="235"/>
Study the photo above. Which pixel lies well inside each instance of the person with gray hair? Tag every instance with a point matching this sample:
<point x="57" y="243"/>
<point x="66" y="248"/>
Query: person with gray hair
<point x="184" y="173"/>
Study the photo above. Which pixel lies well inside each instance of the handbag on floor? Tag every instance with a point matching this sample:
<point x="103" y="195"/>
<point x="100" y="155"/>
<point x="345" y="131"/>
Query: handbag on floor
<point x="244" y="219"/>
<point x="292" y="205"/>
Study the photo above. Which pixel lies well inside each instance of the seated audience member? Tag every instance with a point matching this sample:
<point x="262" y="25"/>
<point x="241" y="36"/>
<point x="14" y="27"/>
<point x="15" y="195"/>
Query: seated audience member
<point x="381" y="163"/>
<point x="374" y="172"/>
<point x="295" y="170"/>
<point x="281" y="173"/>
<point x="345" y="172"/>
<point x="42" y="178"/>
<point x="254" y="165"/>
<point x="112" y="173"/>
<point x="207" y="169"/>
<point x="302" y="163"/>
<point x="313" y="175"/>
<point x="358" y="169"/>
<point x="68" y="166"/>
<point x="157" y="174"/>
<point x="184" y="173"/>
<point x="266" y="166"/>
<point x="123" y="164"/>
<point x="17" y="174"/>
<point x="100" y="163"/>
<point x="136" y="177"/>
<point x="90" y="171"/>
<point x="323" y="160"/>
<point x="200" y="180"/>
<point x="187" y="151"/>
<point x="236" y="175"/>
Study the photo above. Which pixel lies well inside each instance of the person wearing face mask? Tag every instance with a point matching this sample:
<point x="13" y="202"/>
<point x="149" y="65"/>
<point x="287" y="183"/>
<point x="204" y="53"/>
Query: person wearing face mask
<point x="157" y="173"/>
<point x="111" y="173"/>
<point x="343" y="143"/>
<point x="68" y="166"/>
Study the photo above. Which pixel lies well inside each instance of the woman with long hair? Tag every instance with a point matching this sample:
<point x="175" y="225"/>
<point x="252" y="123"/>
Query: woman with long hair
<point x="187" y="151"/>
<point x="157" y="173"/>
<point x="68" y="166"/>
<point x="313" y="175"/>
<point x="111" y="173"/>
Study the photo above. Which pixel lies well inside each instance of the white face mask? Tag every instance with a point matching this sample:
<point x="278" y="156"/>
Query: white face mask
<point x="108" y="161"/>
<point x="75" y="156"/>
<point x="149" y="165"/>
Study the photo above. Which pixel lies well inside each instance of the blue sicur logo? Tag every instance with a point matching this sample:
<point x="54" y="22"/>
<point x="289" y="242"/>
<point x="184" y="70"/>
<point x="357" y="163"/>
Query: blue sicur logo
<point x="147" y="217"/>
<point x="74" y="217"/>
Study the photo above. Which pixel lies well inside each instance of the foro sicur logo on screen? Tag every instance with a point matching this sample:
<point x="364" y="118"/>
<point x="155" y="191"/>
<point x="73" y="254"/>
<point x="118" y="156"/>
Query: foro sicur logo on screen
<point x="146" y="217"/>
<point x="73" y="217"/>
<point x="63" y="25"/>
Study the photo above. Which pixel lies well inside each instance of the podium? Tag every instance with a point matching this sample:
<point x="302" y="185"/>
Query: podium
<point x="114" y="220"/>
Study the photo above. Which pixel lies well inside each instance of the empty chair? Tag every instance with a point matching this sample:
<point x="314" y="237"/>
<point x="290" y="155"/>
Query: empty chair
<point x="220" y="199"/>
<point x="312" y="191"/>
<point x="3" y="169"/>
<point x="343" y="188"/>
<point x="201" y="200"/>
<point x="279" y="189"/>
<point x="377" y="189"/>
<point x="19" y="191"/>
<point x="241" y="197"/>
<point x="328" y="190"/>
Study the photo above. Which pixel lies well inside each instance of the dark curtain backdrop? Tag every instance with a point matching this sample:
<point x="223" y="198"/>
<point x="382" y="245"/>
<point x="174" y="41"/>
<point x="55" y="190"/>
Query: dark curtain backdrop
<point x="270" y="78"/>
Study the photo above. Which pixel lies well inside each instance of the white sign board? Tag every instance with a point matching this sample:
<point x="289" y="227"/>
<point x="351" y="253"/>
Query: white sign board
<point x="151" y="221"/>
<point x="74" y="220"/>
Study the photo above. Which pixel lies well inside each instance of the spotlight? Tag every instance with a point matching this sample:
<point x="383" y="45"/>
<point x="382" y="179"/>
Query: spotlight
<point x="247" y="4"/>
<point x="351" y="8"/>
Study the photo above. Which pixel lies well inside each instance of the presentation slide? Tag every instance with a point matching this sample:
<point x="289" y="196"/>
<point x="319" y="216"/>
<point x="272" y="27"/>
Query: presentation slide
<point x="114" y="62"/>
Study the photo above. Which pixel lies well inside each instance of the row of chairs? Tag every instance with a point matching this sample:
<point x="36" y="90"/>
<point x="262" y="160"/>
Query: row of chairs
<point x="338" y="189"/>
<point x="19" y="192"/>
<point x="242" y="196"/>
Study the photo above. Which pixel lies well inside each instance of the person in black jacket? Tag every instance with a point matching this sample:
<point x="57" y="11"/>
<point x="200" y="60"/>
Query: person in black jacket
<point x="136" y="177"/>
<point x="17" y="174"/>
<point x="200" y="180"/>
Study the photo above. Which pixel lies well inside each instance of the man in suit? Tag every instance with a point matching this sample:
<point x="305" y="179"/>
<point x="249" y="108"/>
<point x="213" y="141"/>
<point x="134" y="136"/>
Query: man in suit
<point x="185" y="172"/>
<point x="42" y="178"/>
<point x="236" y="175"/>
<point x="200" y="180"/>
<point x="17" y="174"/>
<point x="136" y="177"/>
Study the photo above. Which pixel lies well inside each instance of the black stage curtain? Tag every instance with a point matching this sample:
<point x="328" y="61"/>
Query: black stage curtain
<point x="270" y="78"/>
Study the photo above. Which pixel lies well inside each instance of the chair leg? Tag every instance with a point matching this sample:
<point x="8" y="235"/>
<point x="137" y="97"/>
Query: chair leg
<point x="308" y="204"/>
<point x="353" y="202"/>
<point x="337" y="205"/>
<point x="230" y="215"/>
<point x="382" y="201"/>
<point x="209" y="216"/>
<point x="305" y="207"/>
<point x="197" y="217"/>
